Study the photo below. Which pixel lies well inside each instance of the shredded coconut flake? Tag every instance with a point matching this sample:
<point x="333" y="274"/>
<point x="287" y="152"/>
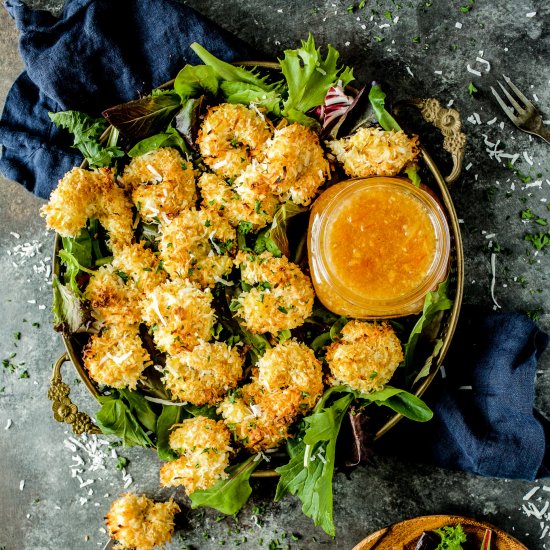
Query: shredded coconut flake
<point x="473" y="71"/>
<point x="8" y="424"/>
<point x="493" y="280"/>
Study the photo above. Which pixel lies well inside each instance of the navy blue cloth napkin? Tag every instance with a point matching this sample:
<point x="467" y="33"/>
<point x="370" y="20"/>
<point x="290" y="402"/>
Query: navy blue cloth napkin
<point x="100" y="53"/>
<point x="484" y="420"/>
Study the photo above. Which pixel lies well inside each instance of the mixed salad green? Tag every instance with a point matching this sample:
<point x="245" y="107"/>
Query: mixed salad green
<point x="170" y="118"/>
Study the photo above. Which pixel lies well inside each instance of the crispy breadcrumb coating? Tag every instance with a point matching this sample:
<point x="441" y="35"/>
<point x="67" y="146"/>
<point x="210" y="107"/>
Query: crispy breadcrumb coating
<point x="204" y="374"/>
<point x="179" y="314"/>
<point x="243" y="201"/>
<point x="116" y="357"/>
<point x="281" y="298"/>
<point x="230" y="137"/>
<point x="141" y="267"/>
<point x="204" y="448"/>
<point x="258" y="418"/>
<point x="112" y="301"/>
<point x="291" y="367"/>
<point x="196" y="245"/>
<point x="375" y="152"/>
<point x="138" y="523"/>
<point x="84" y="194"/>
<point x="365" y="357"/>
<point x="294" y="164"/>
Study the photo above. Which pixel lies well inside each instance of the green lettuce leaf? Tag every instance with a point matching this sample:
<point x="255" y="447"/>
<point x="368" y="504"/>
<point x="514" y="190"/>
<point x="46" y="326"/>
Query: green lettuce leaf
<point x="169" y="416"/>
<point x="434" y="303"/>
<point x="278" y="230"/>
<point x="308" y="475"/>
<point x="451" y="537"/>
<point x="125" y="414"/>
<point x="309" y="76"/>
<point x="70" y="314"/>
<point x="170" y="138"/>
<point x="80" y="247"/>
<point x="194" y="81"/>
<point x="228" y="495"/>
<point x="242" y="92"/>
<point x="227" y="72"/>
<point x="87" y="131"/>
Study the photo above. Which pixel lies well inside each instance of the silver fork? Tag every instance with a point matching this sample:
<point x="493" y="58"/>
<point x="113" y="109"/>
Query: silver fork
<point x="527" y="119"/>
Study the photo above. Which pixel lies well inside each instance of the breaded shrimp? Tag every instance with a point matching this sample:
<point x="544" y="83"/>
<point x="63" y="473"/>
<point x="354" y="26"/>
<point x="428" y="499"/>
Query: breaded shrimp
<point x="139" y="523"/>
<point x="179" y="315"/>
<point x="292" y="368"/>
<point x="204" y="448"/>
<point x="84" y="194"/>
<point x="281" y="298"/>
<point x="141" y="267"/>
<point x="247" y="202"/>
<point x="293" y="164"/>
<point x="258" y="418"/>
<point x="196" y="245"/>
<point x="365" y="357"/>
<point x="375" y="152"/>
<point x="230" y="137"/>
<point x="116" y="356"/>
<point x="204" y="374"/>
<point x="112" y="301"/>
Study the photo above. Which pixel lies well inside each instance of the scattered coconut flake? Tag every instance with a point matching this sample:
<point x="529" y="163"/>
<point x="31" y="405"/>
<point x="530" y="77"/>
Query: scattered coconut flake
<point x="491" y="236"/>
<point x="458" y="25"/>
<point x="21" y="484"/>
<point x="484" y="62"/>
<point x="527" y="158"/>
<point x="537" y="183"/>
<point x="535" y="97"/>
<point x="15" y="235"/>
<point x="438" y="72"/>
<point x="450" y="103"/>
<point x="531" y="14"/>
<point x="467" y="388"/>
<point x="443" y="371"/>
<point x="473" y="71"/>
<point x="223" y="281"/>
<point x="530" y="493"/>
<point x="468" y="166"/>
<point x="493" y="280"/>
<point x="492" y="121"/>
<point x="477" y="117"/>
<point x="408" y="69"/>
<point x="8" y="424"/>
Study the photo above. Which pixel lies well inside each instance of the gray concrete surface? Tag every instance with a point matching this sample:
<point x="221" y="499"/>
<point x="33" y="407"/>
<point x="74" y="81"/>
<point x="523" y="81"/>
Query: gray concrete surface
<point x="49" y="511"/>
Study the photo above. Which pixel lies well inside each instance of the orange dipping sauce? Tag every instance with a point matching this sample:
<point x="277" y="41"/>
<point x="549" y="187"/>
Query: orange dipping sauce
<point x="376" y="247"/>
<point x="381" y="243"/>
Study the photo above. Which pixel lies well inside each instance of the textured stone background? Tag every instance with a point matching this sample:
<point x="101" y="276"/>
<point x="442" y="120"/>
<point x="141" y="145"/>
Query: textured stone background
<point x="424" y="39"/>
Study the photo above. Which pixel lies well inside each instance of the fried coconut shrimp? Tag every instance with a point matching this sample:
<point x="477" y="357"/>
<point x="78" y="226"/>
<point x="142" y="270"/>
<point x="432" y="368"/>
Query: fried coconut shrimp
<point x="375" y="152"/>
<point x="162" y="184"/>
<point x="113" y="301"/>
<point x="204" y="374"/>
<point x="365" y="357"/>
<point x="84" y="194"/>
<point x="138" y="523"/>
<point x="116" y="357"/>
<point x="204" y="448"/>
<point x="281" y="297"/>
<point x="250" y="201"/>
<point x="179" y="314"/>
<point x="292" y="368"/>
<point x="288" y="382"/>
<point x="293" y="165"/>
<point x="230" y="137"/>
<point x="140" y="267"/>
<point x="196" y="245"/>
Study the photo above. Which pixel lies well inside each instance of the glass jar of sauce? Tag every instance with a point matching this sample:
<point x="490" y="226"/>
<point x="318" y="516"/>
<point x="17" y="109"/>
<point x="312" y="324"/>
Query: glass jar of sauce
<point x="376" y="247"/>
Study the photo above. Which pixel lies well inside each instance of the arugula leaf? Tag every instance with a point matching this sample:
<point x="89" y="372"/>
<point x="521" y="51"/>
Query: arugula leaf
<point x="80" y="247"/>
<point x="144" y="117"/>
<point x="116" y="417"/>
<point x="227" y="72"/>
<point x="451" y="537"/>
<point x="69" y="312"/>
<point x="228" y="495"/>
<point x="309" y="77"/>
<point x="408" y="405"/>
<point x="87" y="131"/>
<point x="308" y="475"/>
<point x="170" y="138"/>
<point x="194" y="80"/>
<point x="438" y="344"/>
<point x="434" y="302"/>
<point x="377" y="99"/>
<point x="169" y="416"/>
<point x="72" y="269"/>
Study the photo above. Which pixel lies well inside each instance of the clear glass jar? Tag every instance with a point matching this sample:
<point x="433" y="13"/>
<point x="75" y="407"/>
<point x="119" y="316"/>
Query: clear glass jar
<point x="376" y="247"/>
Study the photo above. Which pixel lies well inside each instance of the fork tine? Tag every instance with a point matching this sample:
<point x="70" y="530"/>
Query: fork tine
<point x="505" y="107"/>
<point x="516" y="105"/>
<point x="517" y="91"/>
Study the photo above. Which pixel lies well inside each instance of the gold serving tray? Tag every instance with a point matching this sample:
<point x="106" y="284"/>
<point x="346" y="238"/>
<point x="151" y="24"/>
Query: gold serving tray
<point x="448" y="122"/>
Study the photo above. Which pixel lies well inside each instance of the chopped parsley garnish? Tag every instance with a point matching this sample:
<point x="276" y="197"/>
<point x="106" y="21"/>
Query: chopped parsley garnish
<point x="472" y="89"/>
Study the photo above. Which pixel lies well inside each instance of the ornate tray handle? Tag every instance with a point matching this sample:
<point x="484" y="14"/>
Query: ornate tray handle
<point x="64" y="410"/>
<point x="448" y="122"/>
